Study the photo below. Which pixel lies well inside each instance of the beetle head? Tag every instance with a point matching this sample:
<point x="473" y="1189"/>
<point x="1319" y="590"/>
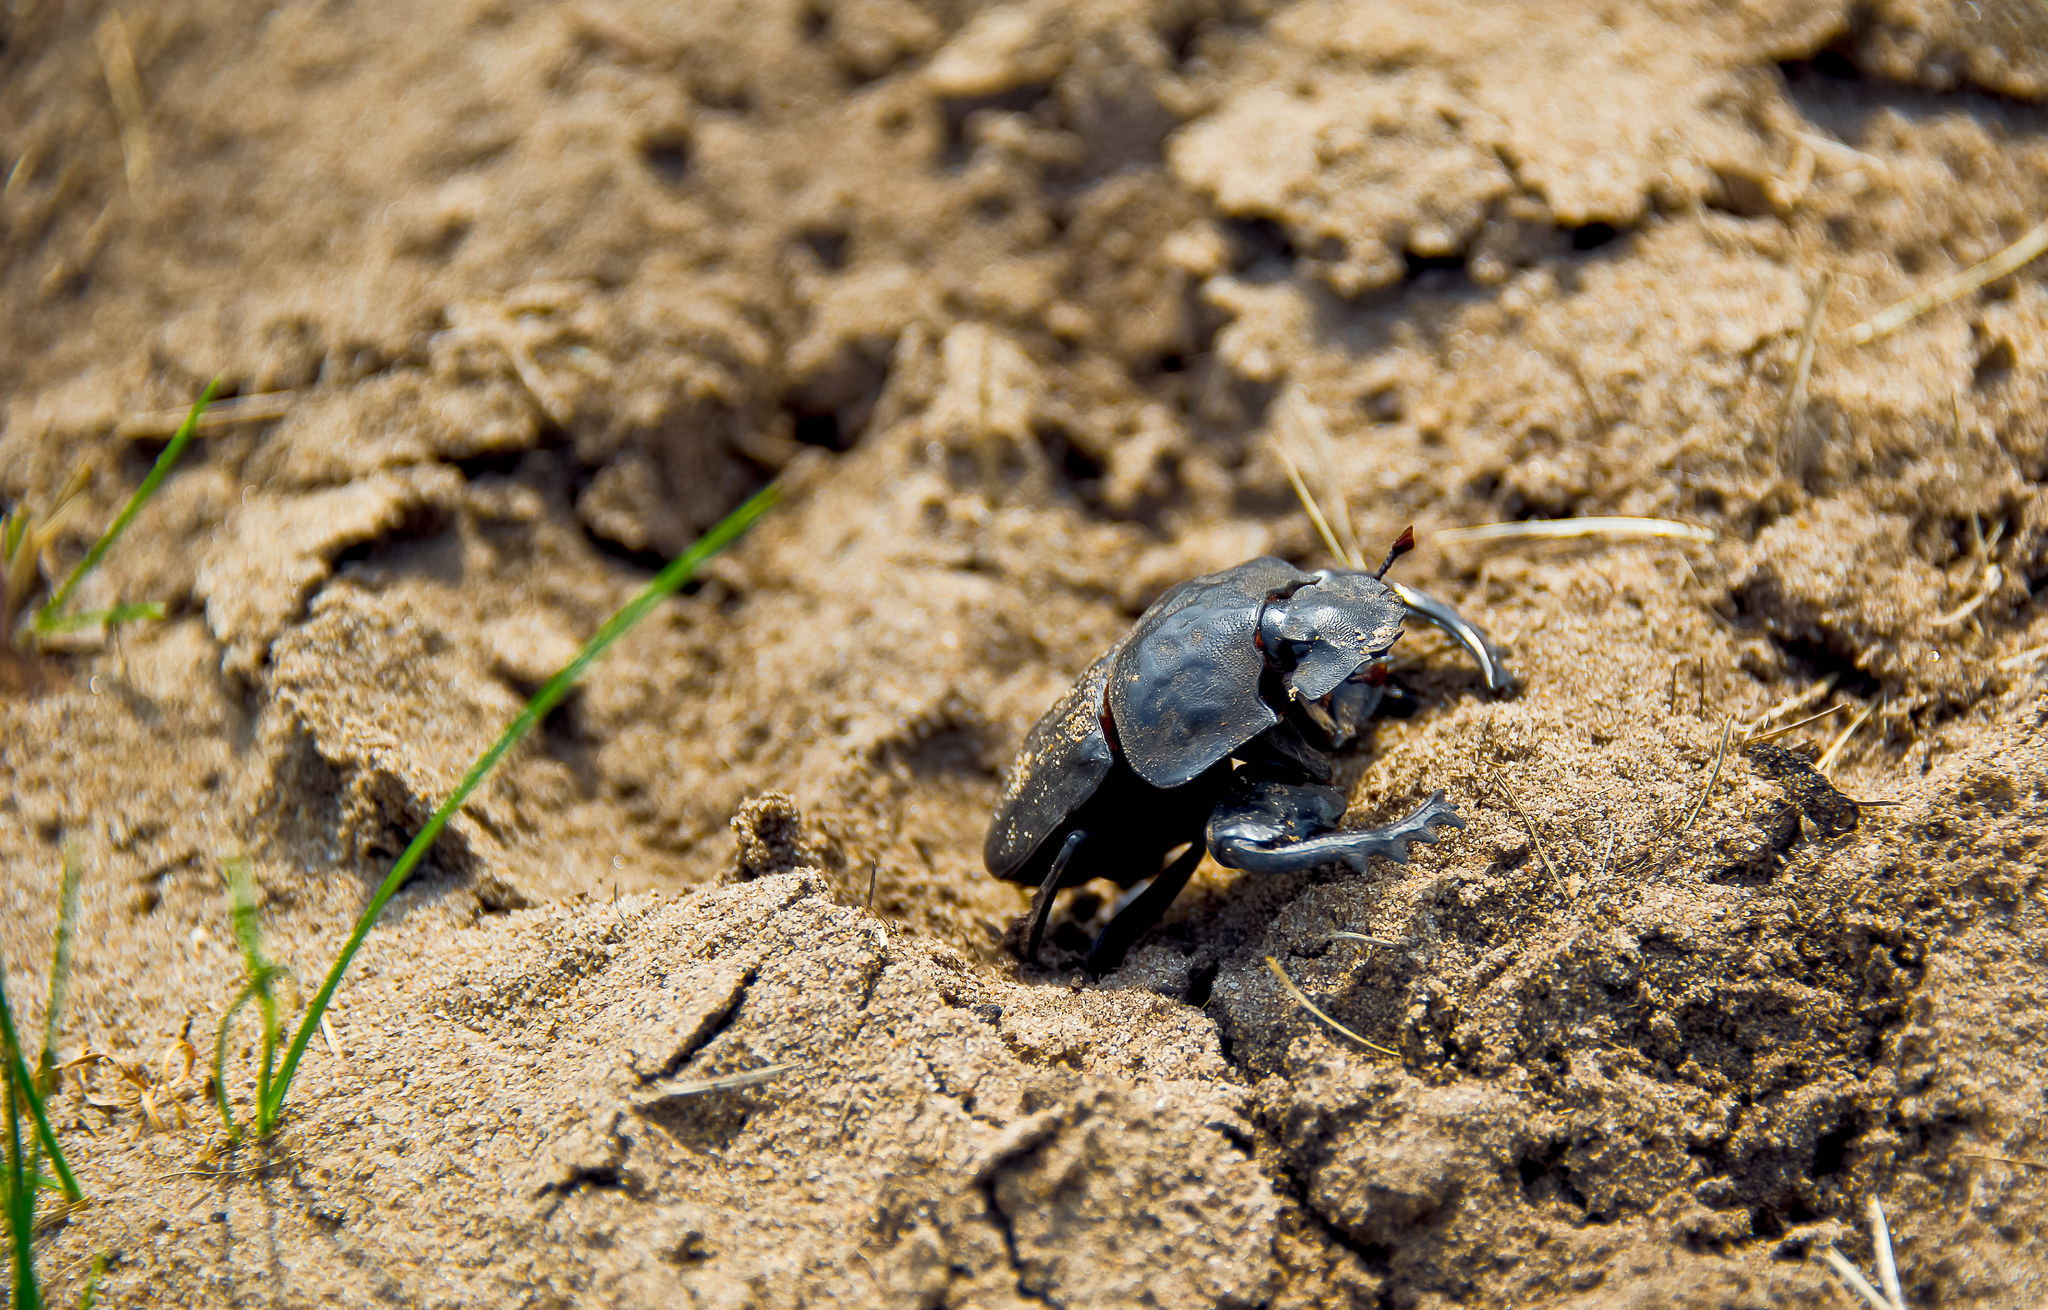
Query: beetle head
<point x="1331" y="630"/>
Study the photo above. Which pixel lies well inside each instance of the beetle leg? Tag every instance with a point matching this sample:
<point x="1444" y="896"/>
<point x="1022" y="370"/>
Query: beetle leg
<point x="1276" y="827"/>
<point x="1348" y="707"/>
<point x="1144" y="910"/>
<point x="1461" y="630"/>
<point x="1041" y="904"/>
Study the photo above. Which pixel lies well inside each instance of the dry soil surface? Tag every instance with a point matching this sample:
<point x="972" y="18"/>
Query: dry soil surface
<point x="1017" y="300"/>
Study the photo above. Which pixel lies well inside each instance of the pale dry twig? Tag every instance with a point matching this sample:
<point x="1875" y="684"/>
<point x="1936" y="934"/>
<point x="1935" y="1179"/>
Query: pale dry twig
<point x="1962" y="284"/>
<point x="1566" y="529"/>
<point x="1295" y="994"/>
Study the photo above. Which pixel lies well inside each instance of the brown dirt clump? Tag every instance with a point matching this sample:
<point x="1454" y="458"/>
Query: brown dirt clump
<point x="1015" y="299"/>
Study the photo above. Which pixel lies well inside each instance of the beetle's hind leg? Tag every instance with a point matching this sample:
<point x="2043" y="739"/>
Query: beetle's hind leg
<point x="1144" y="910"/>
<point x="1263" y="826"/>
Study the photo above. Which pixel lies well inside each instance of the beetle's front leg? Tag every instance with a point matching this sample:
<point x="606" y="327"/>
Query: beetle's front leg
<point x="1041" y="903"/>
<point x="1264" y="826"/>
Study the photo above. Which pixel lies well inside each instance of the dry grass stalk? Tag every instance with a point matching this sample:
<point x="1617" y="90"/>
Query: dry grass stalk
<point x="1893" y="1297"/>
<point x="2032" y="655"/>
<point x="1567" y="529"/>
<point x="1887" y="1267"/>
<point x="1970" y="279"/>
<point x="1798" y="700"/>
<point x="728" y="1082"/>
<point x="1853" y="1279"/>
<point x="80" y="257"/>
<point x="1794" y="407"/>
<point x="25" y="165"/>
<point x="1776" y="733"/>
<point x="1295" y="994"/>
<point x="1361" y="937"/>
<point x="157" y="1098"/>
<point x="333" y="1047"/>
<point x="25" y="536"/>
<point x="1993" y="575"/>
<point x="223" y="413"/>
<point x="1727" y="731"/>
<point x="124" y="88"/>
<point x="1299" y="415"/>
<point x="1833" y="754"/>
<point x="1528" y="824"/>
<point x="1308" y="503"/>
<point x="2004" y="1159"/>
<point x="1847" y="155"/>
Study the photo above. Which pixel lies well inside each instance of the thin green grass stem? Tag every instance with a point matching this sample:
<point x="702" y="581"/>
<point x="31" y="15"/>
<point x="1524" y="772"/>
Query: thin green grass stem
<point x="112" y="617"/>
<point x="51" y="613"/>
<point x="92" y="1283"/>
<point x="665" y="583"/>
<point x="258" y="990"/>
<point x="60" y="967"/>
<point x="25" y="1089"/>
<point x="246" y="916"/>
<point x="21" y="1209"/>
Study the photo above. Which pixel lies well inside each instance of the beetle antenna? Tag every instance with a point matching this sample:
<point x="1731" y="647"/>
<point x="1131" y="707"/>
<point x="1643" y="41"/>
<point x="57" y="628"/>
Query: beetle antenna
<point x="1402" y="545"/>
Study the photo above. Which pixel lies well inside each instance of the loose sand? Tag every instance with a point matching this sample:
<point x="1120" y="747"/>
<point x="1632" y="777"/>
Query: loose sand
<point x="1015" y="299"/>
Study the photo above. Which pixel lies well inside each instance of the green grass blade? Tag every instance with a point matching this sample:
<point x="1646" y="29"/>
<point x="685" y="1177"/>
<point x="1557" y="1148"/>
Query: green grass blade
<point x="49" y="614"/>
<point x="247" y="917"/>
<point x="21" y="1207"/>
<point x="245" y="914"/>
<point x="92" y="1282"/>
<point x="665" y="583"/>
<point x="220" y="1061"/>
<point x="266" y="1005"/>
<point x="113" y="617"/>
<point x="60" y="967"/>
<point x="65" y="1178"/>
<point x="25" y="1090"/>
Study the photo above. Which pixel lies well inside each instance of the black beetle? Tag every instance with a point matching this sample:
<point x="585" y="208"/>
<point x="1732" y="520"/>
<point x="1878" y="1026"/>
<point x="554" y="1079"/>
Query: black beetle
<point x="1211" y="726"/>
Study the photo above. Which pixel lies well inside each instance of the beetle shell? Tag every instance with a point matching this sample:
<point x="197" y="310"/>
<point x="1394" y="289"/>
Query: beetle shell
<point x="1184" y="691"/>
<point x="1064" y="760"/>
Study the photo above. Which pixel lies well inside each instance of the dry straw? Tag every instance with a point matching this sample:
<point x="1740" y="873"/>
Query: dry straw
<point x="1798" y="700"/>
<point x="728" y="1082"/>
<point x="1827" y="761"/>
<point x="1802" y="372"/>
<point x="1962" y="284"/>
<point x="1501" y="534"/>
<point x="1776" y="733"/>
<point x="124" y="88"/>
<point x="1295" y="994"/>
<point x="1530" y="825"/>
<point x="222" y="413"/>
<point x="1727" y="731"/>
<point x="1893" y="1297"/>
<point x="1993" y="575"/>
<point x="2032" y="655"/>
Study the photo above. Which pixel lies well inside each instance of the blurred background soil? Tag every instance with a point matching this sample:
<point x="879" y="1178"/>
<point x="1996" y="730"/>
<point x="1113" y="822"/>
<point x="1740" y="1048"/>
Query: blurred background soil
<point x="1017" y="299"/>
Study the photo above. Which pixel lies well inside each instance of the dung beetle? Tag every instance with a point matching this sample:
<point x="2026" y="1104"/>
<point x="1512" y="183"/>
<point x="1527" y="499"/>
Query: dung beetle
<point x="1211" y="726"/>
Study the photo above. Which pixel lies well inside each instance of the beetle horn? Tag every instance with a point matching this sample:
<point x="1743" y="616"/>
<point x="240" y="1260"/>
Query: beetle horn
<point x="1402" y="545"/>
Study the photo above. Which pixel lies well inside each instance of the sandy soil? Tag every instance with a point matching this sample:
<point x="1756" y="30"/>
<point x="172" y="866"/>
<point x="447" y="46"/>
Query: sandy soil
<point x="1015" y="299"/>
